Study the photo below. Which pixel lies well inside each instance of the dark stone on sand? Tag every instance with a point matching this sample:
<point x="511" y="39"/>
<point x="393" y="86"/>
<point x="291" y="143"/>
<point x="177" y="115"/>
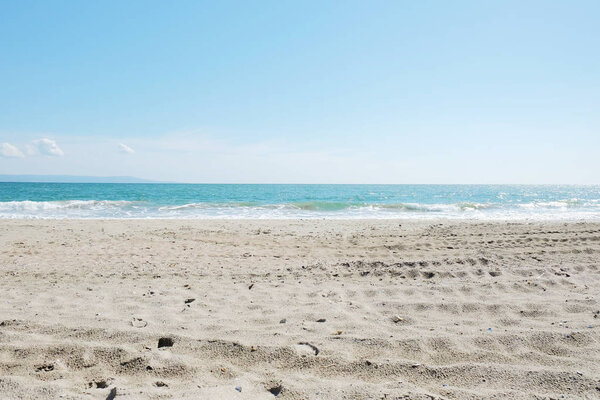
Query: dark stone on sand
<point x="283" y="321"/>
<point x="188" y="301"/>
<point x="101" y="384"/>
<point x="165" y="342"/>
<point x="321" y="320"/>
<point x="275" y="390"/>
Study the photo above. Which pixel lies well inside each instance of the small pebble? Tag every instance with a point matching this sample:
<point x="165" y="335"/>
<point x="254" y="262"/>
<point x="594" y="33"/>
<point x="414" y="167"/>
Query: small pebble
<point x="165" y="342"/>
<point x="238" y="388"/>
<point x="275" y="390"/>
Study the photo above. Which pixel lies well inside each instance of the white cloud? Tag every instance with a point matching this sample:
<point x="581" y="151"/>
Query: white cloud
<point x="47" y="147"/>
<point x="123" y="148"/>
<point x="9" y="150"/>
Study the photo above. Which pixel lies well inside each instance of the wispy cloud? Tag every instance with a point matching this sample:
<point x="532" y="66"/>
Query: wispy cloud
<point x="45" y="146"/>
<point x="10" y="151"/>
<point x="123" y="148"/>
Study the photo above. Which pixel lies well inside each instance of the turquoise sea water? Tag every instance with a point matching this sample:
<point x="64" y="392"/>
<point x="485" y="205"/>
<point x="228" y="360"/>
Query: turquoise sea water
<point x="486" y="202"/>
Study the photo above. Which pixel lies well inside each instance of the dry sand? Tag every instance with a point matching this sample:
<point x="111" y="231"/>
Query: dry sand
<point x="409" y="310"/>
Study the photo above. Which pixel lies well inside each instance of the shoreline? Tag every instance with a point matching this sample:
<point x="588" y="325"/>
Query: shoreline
<point x="340" y="219"/>
<point x="439" y="309"/>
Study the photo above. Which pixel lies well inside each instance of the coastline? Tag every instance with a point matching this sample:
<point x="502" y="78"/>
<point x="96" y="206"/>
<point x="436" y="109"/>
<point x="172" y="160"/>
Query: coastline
<point x="290" y="202"/>
<point x="451" y="309"/>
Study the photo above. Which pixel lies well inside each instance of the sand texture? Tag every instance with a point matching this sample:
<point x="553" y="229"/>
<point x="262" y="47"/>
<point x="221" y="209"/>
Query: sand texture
<point x="299" y="310"/>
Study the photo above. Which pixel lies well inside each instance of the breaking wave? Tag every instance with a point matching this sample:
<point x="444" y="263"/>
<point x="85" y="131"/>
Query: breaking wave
<point x="111" y="209"/>
<point x="62" y="205"/>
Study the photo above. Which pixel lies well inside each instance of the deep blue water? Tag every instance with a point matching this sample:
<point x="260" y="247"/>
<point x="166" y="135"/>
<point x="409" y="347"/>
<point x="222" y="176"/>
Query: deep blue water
<point x="120" y="200"/>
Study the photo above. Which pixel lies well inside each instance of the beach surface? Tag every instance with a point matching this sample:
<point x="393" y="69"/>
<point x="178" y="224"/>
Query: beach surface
<point x="291" y="309"/>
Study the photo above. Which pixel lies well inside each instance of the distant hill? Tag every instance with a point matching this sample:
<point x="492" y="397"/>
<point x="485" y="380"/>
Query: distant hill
<point x="72" y="179"/>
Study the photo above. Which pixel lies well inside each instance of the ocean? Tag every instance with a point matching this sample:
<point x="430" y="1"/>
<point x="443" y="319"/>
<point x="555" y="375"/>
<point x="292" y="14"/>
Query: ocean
<point x="247" y="201"/>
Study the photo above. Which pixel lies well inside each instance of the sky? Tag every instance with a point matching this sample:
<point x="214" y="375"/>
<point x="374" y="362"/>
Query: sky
<point x="302" y="91"/>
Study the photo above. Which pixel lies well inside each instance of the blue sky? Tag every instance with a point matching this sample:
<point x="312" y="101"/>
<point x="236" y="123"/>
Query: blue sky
<point x="318" y="92"/>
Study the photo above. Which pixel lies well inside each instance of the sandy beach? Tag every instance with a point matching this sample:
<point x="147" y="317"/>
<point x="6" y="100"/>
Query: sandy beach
<point x="314" y="309"/>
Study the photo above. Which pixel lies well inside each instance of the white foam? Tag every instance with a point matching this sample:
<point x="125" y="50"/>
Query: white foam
<point x="570" y="209"/>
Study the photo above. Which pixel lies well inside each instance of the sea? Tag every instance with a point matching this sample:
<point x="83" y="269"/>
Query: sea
<point x="258" y="201"/>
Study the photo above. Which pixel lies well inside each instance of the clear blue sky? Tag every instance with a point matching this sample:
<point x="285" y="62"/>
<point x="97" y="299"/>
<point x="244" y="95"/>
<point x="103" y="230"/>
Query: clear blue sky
<point x="282" y="91"/>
